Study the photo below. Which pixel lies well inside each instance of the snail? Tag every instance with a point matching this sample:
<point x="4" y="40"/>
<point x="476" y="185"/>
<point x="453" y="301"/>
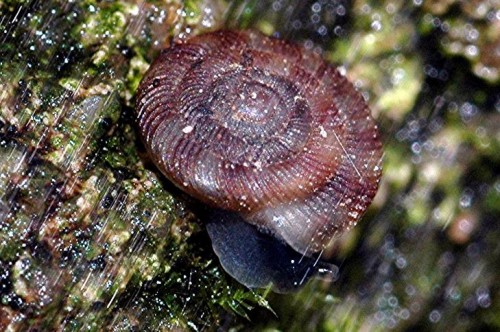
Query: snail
<point x="270" y="136"/>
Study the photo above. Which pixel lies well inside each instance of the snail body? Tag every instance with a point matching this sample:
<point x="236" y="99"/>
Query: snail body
<point x="265" y="130"/>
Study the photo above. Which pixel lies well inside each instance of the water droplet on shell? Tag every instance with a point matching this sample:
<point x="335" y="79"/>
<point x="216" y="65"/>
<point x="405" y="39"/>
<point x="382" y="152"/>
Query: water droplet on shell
<point x="267" y="131"/>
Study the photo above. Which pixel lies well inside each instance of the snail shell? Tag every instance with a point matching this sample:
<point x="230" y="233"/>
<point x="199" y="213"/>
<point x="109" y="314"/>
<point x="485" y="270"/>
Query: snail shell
<point x="265" y="129"/>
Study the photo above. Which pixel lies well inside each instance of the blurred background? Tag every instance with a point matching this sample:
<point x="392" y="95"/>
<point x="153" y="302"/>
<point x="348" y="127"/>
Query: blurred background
<point x="92" y="237"/>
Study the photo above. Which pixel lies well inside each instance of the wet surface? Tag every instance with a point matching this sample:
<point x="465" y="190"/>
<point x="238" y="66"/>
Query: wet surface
<point x="91" y="235"/>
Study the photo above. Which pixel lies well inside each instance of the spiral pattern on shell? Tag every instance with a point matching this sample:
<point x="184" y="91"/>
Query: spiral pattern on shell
<point x="265" y="128"/>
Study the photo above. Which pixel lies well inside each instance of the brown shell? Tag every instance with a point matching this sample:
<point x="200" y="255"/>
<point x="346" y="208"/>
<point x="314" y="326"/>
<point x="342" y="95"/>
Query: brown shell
<point x="257" y="125"/>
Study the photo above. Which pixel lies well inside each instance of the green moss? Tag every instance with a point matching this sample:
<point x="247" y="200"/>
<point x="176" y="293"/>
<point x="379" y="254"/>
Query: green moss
<point x="82" y="204"/>
<point x="192" y="11"/>
<point x="101" y="22"/>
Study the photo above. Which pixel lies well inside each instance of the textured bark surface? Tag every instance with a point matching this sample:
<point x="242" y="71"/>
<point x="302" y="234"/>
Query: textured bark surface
<point x="93" y="237"/>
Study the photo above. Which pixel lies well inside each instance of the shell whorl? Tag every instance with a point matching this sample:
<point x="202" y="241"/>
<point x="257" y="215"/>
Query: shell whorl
<point x="265" y="128"/>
